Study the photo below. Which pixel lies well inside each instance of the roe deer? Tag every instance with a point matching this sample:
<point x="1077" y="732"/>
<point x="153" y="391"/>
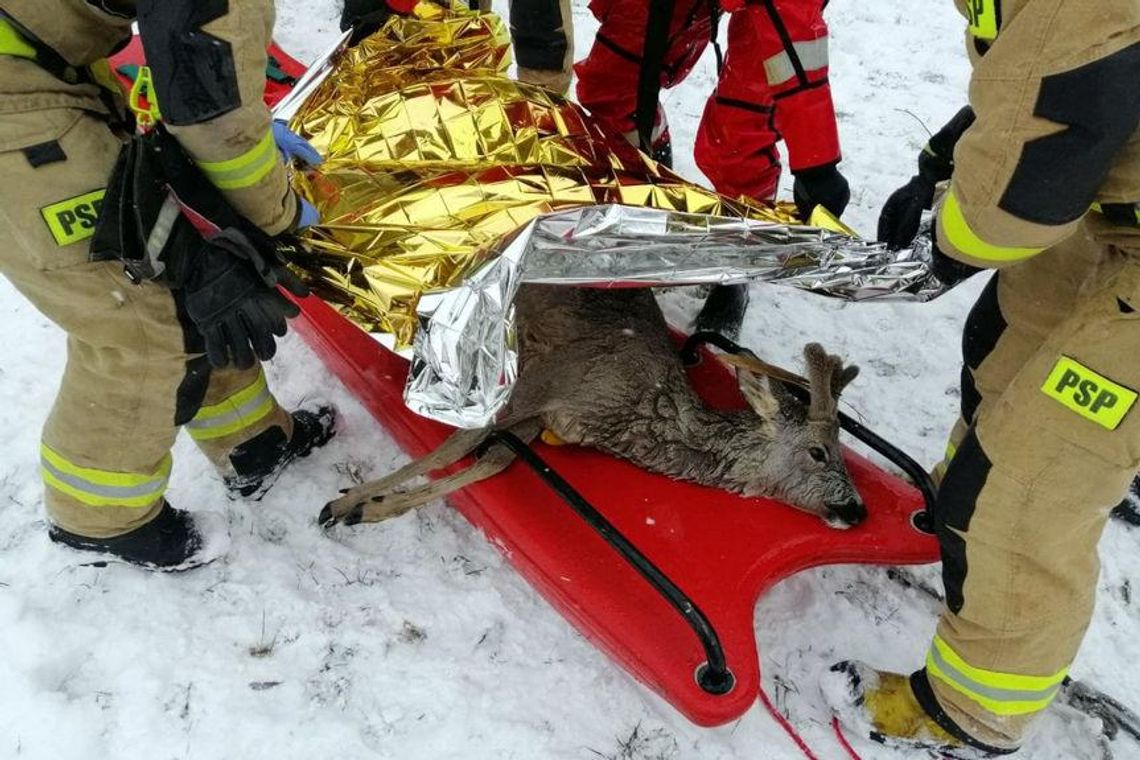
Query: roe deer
<point x="598" y="368"/>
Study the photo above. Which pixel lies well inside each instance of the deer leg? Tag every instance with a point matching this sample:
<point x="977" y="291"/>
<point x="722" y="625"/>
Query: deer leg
<point x="395" y="503"/>
<point x="458" y="445"/>
<point x="380" y="499"/>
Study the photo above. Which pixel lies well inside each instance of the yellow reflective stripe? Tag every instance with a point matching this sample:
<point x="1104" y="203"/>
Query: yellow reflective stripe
<point x="960" y="235"/>
<point x="951" y="450"/>
<point x="234" y="414"/>
<point x="11" y="43"/>
<point x="1000" y="693"/>
<point x="1088" y="393"/>
<point x="983" y="18"/>
<point x="103" y="488"/>
<point x="247" y="169"/>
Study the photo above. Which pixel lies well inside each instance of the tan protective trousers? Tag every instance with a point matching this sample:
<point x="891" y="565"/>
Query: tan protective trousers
<point x="543" y="36"/>
<point x="132" y="363"/>
<point x="1049" y="443"/>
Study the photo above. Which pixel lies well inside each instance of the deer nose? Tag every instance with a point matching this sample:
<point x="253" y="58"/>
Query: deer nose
<point x="849" y="513"/>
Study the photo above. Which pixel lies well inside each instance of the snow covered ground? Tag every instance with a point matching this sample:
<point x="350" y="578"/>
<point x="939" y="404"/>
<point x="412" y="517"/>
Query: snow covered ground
<point x="414" y="639"/>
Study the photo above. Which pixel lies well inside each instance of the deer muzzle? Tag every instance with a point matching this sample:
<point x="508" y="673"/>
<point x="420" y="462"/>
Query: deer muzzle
<point x="846" y="514"/>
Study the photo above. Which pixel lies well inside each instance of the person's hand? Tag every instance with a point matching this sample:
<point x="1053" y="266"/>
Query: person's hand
<point x="293" y="147"/>
<point x="308" y="215"/>
<point x="231" y="296"/>
<point x="902" y="213"/>
<point x="821" y="186"/>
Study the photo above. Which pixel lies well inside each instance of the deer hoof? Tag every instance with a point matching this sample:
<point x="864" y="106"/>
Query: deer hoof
<point x="325" y="518"/>
<point x="355" y="515"/>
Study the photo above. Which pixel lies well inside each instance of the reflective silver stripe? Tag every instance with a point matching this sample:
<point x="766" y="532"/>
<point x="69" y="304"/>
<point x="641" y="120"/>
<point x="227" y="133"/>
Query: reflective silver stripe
<point x="812" y="55"/>
<point x="156" y="241"/>
<point x="153" y="487"/>
<point x="990" y="692"/>
<point x="232" y="417"/>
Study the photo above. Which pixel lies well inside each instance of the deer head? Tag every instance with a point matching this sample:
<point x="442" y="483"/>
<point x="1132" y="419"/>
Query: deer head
<point x="797" y="458"/>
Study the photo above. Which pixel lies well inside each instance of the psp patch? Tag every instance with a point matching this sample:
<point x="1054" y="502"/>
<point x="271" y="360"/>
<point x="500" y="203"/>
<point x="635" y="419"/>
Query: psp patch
<point x="74" y="219"/>
<point x="985" y="18"/>
<point x="1088" y="393"/>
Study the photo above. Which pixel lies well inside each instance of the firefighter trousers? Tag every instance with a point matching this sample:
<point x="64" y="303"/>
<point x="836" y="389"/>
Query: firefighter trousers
<point x="134" y="372"/>
<point x="1048" y="443"/>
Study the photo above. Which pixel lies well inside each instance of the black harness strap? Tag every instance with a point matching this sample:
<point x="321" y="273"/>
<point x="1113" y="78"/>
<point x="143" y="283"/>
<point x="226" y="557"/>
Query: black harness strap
<point x="744" y="105"/>
<point x="786" y="40"/>
<point x="46" y="57"/>
<point x="801" y="88"/>
<point x="714" y="27"/>
<point x="649" y="77"/>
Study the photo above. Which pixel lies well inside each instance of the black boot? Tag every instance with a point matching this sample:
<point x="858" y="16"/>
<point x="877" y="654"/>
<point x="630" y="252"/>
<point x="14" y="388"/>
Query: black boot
<point x="174" y="540"/>
<point x="259" y="461"/>
<point x="723" y="311"/>
<point x="662" y="151"/>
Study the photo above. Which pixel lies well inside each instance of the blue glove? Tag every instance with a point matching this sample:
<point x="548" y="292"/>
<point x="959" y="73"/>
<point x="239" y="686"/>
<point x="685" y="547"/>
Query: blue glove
<point x="293" y="146"/>
<point x="309" y="214"/>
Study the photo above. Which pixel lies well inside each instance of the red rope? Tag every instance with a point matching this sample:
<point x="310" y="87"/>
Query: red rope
<point x="784" y="724"/>
<point x="843" y="740"/>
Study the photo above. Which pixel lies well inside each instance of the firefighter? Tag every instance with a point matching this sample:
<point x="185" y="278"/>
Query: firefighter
<point x="1045" y="189"/>
<point x="144" y="359"/>
<point x="773" y="85"/>
<point x="542" y="33"/>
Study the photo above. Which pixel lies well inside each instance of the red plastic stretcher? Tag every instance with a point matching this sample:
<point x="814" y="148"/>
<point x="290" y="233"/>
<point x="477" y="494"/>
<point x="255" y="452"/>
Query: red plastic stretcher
<point x="722" y="550"/>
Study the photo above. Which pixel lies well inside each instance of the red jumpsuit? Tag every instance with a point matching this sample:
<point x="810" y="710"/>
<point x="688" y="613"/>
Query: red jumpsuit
<point x="773" y="85"/>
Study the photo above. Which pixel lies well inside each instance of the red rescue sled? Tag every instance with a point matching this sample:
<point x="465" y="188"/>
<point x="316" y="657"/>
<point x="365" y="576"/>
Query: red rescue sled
<point x="723" y="551"/>
<point x="719" y="550"/>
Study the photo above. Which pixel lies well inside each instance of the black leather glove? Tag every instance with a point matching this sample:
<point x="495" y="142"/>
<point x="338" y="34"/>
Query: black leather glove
<point x="820" y="186"/>
<point x="231" y="296"/>
<point x="902" y="213"/>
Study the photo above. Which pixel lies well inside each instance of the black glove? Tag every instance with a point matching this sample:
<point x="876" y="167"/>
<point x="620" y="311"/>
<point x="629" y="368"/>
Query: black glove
<point x="231" y="297"/>
<point x="949" y="271"/>
<point x="902" y="213"/>
<point x="821" y="186"/>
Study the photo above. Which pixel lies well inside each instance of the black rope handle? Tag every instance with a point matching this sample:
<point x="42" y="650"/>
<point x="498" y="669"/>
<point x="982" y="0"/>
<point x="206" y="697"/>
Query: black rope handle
<point x="713" y="675"/>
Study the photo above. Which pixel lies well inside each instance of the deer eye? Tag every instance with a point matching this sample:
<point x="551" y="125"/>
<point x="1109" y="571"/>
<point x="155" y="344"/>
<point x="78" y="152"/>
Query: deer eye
<point x="818" y="453"/>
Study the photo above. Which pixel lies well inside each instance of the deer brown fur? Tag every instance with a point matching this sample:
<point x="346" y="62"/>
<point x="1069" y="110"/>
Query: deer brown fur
<point x="598" y="368"/>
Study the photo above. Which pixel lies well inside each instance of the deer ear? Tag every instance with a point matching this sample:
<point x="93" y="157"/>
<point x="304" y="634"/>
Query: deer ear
<point x="759" y="393"/>
<point x="843" y="378"/>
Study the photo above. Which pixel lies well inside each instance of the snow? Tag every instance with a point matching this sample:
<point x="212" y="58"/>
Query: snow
<point x="414" y="638"/>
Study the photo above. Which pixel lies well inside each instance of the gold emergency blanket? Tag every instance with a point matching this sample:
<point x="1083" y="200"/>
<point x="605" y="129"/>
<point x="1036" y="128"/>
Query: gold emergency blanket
<point x="432" y="156"/>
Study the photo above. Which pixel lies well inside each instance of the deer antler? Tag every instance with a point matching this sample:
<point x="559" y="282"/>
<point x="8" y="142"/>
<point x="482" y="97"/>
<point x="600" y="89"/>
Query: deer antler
<point x="828" y="378"/>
